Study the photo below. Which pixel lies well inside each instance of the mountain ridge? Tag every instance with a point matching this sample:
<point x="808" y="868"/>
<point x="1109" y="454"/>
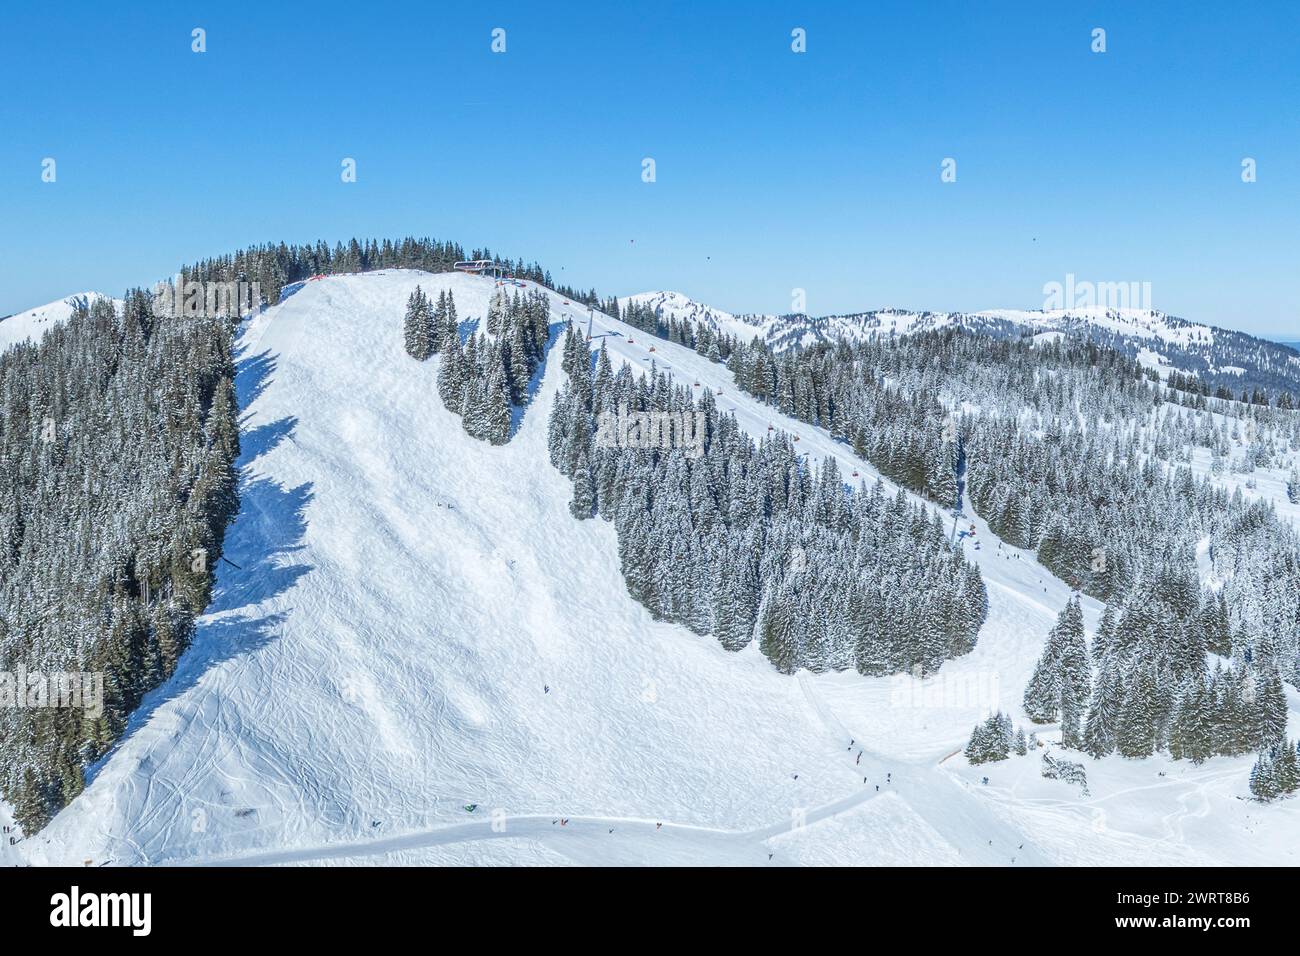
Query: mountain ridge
<point x="1220" y="357"/>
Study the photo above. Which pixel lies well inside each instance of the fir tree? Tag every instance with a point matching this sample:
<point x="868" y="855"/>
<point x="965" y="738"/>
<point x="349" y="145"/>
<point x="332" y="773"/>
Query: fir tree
<point x="582" y="503"/>
<point x="418" y="326"/>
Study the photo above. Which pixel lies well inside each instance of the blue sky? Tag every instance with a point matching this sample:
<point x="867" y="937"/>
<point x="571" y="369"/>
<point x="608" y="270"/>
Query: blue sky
<point x="775" y="170"/>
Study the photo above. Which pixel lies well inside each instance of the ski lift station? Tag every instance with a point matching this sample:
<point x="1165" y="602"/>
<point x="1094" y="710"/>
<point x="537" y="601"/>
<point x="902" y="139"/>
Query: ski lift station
<point x="485" y="267"/>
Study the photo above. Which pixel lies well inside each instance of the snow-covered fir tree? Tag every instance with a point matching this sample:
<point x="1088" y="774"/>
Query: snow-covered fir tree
<point x="994" y="739"/>
<point x="418" y="326"/>
<point x="1061" y="682"/>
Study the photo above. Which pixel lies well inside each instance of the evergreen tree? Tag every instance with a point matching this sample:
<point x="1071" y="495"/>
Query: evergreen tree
<point x="1135" y="735"/>
<point x="993" y="740"/>
<point x="1099" y="735"/>
<point x="496" y="407"/>
<point x="418" y="326"/>
<point x="582" y="503"/>
<point x="1062" y="679"/>
<point x="1270" y="709"/>
<point x="1263" y="778"/>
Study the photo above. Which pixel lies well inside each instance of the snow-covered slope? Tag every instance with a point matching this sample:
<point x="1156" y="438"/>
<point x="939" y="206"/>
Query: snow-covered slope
<point x="32" y="324"/>
<point x="417" y="625"/>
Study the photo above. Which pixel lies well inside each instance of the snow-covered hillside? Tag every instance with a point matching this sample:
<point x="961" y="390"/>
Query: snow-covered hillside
<point x="32" y="324"/>
<point x="412" y="624"/>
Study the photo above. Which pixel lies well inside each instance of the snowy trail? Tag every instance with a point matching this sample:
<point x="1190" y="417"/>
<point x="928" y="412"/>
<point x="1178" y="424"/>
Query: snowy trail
<point x="962" y="818"/>
<point x="539" y="827"/>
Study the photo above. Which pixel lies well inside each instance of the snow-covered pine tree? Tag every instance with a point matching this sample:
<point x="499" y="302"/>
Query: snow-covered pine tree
<point x="474" y="408"/>
<point x="496" y="399"/>
<point x="1135" y="735"/>
<point x="1062" y="677"/>
<point x="451" y="327"/>
<point x="495" y="314"/>
<point x="583" y="501"/>
<point x="1263" y="778"/>
<point x="438" y="321"/>
<point x="993" y="740"/>
<point x="1099" y="734"/>
<point x="418" y="326"/>
<point x="1287" y="768"/>
<point x="451" y="382"/>
<point x="1105" y="633"/>
<point x="1270" y="709"/>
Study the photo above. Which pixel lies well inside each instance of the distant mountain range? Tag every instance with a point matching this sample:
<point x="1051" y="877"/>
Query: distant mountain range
<point x="1217" y="356"/>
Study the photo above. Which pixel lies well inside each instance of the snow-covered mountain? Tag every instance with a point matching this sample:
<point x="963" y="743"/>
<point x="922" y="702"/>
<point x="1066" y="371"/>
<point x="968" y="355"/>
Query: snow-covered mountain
<point x="416" y="654"/>
<point x="675" y="305"/>
<point x="32" y="324"/>
<point x="1219" y="356"/>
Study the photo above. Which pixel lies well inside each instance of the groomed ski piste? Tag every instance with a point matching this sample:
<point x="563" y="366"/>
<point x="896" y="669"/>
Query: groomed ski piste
<point x="413" y="625"/>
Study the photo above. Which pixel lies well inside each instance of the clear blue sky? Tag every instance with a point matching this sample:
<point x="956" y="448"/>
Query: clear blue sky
<point x="774" y="170"/>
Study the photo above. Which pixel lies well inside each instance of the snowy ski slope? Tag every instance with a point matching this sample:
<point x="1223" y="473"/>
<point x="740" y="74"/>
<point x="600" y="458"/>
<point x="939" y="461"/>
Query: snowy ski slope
<point x="417" y="625"/>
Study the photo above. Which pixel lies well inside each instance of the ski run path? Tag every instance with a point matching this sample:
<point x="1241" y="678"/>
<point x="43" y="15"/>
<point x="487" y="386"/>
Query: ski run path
<point x="416" y="624"/>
